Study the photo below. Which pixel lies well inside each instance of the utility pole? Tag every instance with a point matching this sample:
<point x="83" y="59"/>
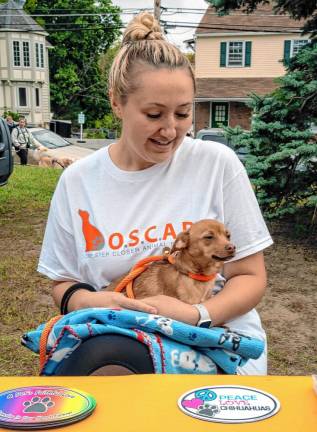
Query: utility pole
<point x="157" y="9"/>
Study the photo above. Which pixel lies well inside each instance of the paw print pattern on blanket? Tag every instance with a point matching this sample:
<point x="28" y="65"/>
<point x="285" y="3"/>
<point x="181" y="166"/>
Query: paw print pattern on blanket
<point x="192" y="336"/>
<point x="38" y="405"/>
<point x="112" y="316"/>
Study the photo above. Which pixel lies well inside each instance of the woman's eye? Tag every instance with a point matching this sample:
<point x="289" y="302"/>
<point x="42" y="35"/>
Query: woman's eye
<point x="181" y="115"/>
<point x="209" y="237"/>
<point x="153" y="116"/>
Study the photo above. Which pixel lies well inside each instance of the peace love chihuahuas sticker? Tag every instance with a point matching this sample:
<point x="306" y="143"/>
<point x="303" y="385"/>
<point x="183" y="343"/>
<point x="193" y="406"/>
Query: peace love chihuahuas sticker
<point x="229" y="404"/>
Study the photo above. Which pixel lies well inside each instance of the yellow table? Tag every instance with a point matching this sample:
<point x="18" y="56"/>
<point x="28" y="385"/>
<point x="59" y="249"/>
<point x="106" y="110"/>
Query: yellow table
<point x="139" y="403"/>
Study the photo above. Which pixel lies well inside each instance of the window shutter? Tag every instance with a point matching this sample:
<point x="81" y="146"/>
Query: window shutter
<point x="223" y="54"/>
<point x="247" y="57"/>
<point x="287" y="52"/>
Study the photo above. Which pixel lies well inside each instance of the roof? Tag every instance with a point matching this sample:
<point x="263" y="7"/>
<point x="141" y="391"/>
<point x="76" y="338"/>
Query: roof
<point x="233" y="87"/>
<point x="13" y="18"/>
<point x="261" y="20"/>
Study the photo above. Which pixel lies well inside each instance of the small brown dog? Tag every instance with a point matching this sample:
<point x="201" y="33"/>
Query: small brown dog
<point x="46" y="160"/>
<point x="189" y="269"/>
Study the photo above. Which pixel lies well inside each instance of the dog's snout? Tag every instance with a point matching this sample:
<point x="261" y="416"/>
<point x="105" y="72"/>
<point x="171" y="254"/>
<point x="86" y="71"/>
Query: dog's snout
<point x="230" y="248"/>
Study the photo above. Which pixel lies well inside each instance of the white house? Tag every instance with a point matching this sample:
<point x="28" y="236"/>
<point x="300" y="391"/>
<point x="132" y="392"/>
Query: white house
<point x="24" y="71"/>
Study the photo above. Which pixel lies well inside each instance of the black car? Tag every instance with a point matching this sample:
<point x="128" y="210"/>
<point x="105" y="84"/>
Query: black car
<point x="6" y="159"/>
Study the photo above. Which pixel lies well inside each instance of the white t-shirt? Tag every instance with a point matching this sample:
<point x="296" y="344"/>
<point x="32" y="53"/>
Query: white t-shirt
<point x="103" y="220"/>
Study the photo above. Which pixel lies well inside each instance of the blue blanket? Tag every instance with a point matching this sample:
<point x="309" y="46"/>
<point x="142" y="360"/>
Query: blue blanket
<point x="175" y="347"/>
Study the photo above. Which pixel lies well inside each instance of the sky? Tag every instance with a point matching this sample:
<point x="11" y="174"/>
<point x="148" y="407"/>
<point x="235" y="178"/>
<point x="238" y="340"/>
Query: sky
<point x="178" y="34"/>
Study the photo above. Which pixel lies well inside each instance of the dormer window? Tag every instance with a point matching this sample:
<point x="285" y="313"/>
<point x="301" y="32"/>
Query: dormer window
<point x="39" y="55"/>
<point x="16" y="53"/>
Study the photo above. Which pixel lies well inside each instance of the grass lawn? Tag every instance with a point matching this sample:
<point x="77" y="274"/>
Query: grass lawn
<point x="25" y="295"/>
<point x="288" y="310"/>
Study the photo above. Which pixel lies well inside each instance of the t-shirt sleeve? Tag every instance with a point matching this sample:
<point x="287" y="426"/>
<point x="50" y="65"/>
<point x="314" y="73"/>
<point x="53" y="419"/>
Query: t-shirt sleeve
<point x="58" y="258"/>
<point x="242" y="214"/>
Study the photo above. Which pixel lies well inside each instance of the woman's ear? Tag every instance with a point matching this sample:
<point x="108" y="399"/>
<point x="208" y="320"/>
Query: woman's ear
<point x="115" y="104"/>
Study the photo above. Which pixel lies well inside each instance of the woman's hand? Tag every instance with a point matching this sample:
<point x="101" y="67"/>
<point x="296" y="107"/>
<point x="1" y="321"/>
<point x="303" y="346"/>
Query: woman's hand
<point x="173" y="308"/>
<point x="114" y="300"/>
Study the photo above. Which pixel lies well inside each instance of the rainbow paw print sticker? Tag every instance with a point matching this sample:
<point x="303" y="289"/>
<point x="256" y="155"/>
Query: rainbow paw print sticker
<point x="43" y="407"/>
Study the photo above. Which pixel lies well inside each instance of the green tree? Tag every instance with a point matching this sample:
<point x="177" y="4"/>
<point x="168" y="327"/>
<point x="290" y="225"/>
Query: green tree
<point x="77" y="43"/>
<point x="282" y="163"/>
<point x="298" y="9"/>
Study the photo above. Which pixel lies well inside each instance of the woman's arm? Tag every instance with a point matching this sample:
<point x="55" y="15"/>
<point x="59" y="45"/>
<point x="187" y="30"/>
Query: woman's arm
<point x="84" y="299"/>
<point x="245" y="286"/>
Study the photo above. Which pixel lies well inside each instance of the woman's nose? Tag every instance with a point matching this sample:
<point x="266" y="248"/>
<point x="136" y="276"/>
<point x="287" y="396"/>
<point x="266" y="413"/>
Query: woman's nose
<point x="168" y="129"/>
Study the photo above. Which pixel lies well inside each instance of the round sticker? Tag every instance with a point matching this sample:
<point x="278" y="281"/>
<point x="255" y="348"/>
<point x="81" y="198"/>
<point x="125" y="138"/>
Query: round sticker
<point x="43" y="405"/>
<point x="228" y="404"/>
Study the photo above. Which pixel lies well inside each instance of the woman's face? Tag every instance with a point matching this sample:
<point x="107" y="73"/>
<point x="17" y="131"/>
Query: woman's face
<point x="155" y="118"/>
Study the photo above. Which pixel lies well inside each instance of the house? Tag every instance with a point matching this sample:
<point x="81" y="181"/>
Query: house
<point x="24" y="72"/>
<point x="239" y="54"/>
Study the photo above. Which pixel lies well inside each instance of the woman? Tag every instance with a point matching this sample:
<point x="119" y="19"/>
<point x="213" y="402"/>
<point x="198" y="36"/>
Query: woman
<point x="129" y="200"/>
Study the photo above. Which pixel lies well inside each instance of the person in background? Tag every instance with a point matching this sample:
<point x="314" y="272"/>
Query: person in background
<point x="22" y="140"/>
<point x="10" y="123"/>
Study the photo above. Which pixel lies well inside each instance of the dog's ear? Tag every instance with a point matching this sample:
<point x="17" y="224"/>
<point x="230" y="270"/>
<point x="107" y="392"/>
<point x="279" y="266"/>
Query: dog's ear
<point x="181" y="242"/>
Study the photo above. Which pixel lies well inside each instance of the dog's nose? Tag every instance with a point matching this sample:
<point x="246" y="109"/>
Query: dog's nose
<point x="230" y="248"/>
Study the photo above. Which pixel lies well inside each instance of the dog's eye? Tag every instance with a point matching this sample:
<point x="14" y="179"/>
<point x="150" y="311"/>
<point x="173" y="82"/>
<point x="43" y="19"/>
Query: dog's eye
<point x="228" y="236"/>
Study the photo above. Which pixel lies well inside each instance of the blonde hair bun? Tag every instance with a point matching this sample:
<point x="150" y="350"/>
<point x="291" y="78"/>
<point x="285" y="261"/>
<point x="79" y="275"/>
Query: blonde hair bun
<point x="143" y="27"/>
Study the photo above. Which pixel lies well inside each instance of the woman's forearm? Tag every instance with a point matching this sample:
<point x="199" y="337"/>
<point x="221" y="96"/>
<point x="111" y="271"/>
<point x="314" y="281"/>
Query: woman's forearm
<point x="77" y="299"/>
<point x="83" y="298"/>
<point x="240" y="294"/>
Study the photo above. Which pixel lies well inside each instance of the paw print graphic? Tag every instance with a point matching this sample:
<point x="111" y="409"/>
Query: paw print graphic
<point x="208" y="410"/>
<point x="112" y="316"/>
<point x="38" y="405"/>
<point x="192" y="336"/>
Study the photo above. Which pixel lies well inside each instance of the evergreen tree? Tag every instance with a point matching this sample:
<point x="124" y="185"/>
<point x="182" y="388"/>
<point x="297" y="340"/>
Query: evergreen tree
<point x="77" y="43"/>
<point x="282" y="163"/>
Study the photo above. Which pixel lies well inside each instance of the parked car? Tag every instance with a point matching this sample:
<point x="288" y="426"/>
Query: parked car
<point x="57" y="146"/>
<point x="6" y="159"/>
<point x="219" y="136"/>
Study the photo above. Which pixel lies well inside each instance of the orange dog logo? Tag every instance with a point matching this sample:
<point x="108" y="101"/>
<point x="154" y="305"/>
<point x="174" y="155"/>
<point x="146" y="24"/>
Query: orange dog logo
<point x="93" y="237"/>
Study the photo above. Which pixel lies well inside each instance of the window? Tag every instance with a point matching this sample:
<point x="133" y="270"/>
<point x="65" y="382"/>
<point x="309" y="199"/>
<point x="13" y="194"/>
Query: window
<point x="22" y="97"/>
<point x="37" y="97"/>
<point x="39" y="55"/>
<point x="26" y="54"/>
<point x="291" y="48"/>
<point x="235" y="54"/>
<point x="297" y="45"/>
<point x="42" y="55"/>
<point x="16" y="53"/>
